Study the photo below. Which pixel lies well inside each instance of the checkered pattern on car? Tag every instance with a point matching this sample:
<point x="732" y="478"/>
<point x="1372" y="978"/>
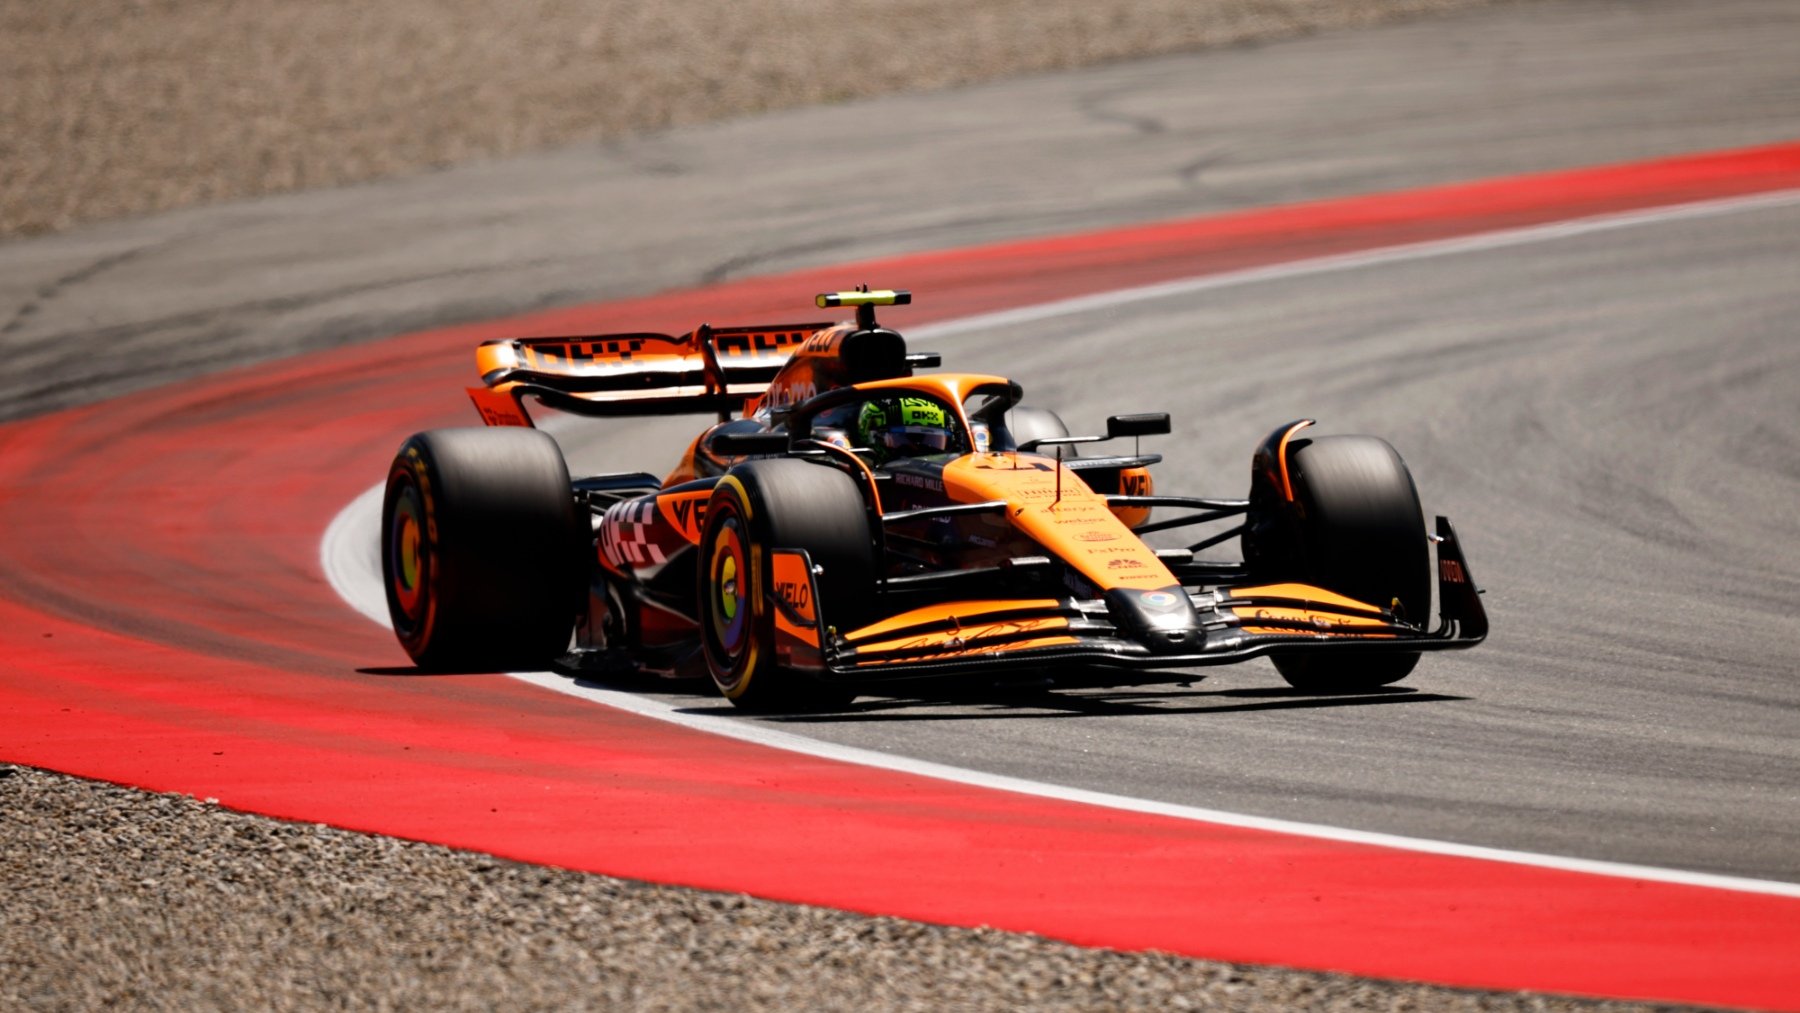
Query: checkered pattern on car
<point x="626" y="538"/>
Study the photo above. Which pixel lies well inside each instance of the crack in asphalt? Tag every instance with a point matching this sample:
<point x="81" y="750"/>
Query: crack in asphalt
<point x="748" y="262"/>
<point x="167" y="348"/>
<point x="54" y="289"/>
<point x="1094" y="108"/>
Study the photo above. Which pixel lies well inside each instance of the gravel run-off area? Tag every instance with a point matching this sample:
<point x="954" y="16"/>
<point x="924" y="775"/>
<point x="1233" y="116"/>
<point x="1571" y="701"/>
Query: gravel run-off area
<point x="124" y="107"/>
<point x="119" y="898"/>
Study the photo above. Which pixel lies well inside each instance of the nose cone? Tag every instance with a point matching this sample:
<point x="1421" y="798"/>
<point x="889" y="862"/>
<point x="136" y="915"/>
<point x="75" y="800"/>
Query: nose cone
<point x="1062" y="514"/>
<point x="1162" y="620"/>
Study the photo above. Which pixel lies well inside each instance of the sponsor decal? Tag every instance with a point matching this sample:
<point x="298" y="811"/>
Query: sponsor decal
<point x="1451" y="572"/>
<point x="1124" y="564"/>
<point x="793" y="586"/>
<point x="686" y="512"/>
<point x="501" y="418"/>
<point x="968" y="639"/>
<point x="919" y="481"/>
<point x="1098" y="536"/>
<point x="823" y="341"/>
<point x="1158" y="599"/>
<point x="1318" y="620"/>
<point x="497" y="409"/>
<point x="797" y="595"/>
<point x="1135" y="483"/>
<point x="784" y="395"/>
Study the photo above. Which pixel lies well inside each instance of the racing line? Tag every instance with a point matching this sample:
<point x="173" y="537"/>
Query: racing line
<point x="166" y="624"/>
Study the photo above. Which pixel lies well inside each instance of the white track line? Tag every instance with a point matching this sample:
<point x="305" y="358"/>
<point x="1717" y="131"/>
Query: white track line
<point x="350" y="557"/>
<point x="1367" y="258"/>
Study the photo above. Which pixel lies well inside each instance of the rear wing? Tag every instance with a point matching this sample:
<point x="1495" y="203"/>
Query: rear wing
<point x="706" y="370"/>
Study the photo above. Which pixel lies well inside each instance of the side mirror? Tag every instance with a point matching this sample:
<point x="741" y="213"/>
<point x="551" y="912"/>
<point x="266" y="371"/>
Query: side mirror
<point x="748" y="444"/>
<point x="1146" y="424"/>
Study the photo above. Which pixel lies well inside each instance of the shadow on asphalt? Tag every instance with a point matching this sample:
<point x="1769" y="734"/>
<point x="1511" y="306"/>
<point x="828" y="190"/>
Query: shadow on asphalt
<point x="984" y="703"/>
<point x="415" y="672"/>
<point x="1051" y="705"/>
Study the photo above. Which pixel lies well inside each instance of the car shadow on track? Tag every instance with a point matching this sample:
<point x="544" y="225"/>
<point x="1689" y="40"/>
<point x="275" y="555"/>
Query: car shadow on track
<point x="414" y="672"/>
<point x="985" y="703"/>
<point x="1040" y="704"/>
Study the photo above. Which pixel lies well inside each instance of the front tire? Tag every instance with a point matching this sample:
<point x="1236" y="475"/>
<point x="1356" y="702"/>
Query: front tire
<point x="779" y="504"/>
<point x="482" y="551"/>
<point x="1361" y="534"/>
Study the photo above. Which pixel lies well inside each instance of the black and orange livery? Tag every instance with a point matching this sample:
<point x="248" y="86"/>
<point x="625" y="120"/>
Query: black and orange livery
<point x="798" y="567"/>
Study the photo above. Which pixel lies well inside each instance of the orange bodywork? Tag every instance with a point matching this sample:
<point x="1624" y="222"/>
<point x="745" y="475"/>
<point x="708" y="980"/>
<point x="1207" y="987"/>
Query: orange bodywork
<point x="499" y="406"/>
<point x="1134" y="482"/>
<point x="796" y="611"/>
<point x="684" y="470"/>
<point x="684" y="511"/>
<point x="1281" y="459"/>
<point x="962" y="630"/>
<point x="1057" y="510"/>
<point x="1333" y="624"/>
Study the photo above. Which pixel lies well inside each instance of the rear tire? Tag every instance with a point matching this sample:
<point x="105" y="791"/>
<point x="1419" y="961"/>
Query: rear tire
<point x="482" y="552"/>
<point x="1362" y="534"/>
<point x="779" y="504"/>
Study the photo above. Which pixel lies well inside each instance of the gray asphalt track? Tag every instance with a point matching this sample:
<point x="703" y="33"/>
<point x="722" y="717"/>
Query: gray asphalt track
<point x="1609" y="419"/>
<point x="1499" y="91"/>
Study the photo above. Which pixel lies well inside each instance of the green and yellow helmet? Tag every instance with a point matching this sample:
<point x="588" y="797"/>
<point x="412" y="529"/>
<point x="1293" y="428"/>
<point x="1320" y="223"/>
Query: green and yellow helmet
<point x="903" y="427"/>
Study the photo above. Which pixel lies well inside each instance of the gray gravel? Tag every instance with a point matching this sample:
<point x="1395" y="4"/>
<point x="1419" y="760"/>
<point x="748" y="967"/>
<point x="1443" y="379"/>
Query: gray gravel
<point x="116" y="107"/>
<point x="126" y="899"/>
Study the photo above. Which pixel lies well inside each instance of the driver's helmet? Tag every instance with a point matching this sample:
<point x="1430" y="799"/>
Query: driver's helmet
<point x="903" y="427"/>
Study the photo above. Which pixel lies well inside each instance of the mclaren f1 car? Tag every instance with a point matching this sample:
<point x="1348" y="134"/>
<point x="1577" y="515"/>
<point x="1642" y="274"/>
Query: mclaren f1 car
<point x="852" y="520"/>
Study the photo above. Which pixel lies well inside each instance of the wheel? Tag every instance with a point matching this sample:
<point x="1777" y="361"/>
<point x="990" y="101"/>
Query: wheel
<point x="482" y="551"/>
<point x="1361" y="534"/>
<point x="788" y="504"/>
<point x="1027" y="424"/>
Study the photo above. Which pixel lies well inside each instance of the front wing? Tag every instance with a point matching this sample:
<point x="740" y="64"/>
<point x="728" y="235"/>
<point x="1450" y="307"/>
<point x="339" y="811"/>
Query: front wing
<point x="1238" y="623"/>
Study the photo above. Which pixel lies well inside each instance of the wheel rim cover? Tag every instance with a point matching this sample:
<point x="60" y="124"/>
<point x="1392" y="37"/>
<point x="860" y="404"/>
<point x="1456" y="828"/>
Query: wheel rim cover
<point x="410" y="555"/>
<point x="728" y="587"/>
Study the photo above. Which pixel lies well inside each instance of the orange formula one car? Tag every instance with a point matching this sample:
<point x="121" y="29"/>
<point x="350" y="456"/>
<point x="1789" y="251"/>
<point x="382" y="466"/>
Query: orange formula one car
<point x="849" y="523"/>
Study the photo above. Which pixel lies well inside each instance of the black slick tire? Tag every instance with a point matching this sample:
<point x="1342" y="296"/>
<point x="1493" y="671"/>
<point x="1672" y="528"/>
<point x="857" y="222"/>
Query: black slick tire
<point x="482" y="553"/>
<point x="1363" y="535"/>
<point x="757" y="507"/>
